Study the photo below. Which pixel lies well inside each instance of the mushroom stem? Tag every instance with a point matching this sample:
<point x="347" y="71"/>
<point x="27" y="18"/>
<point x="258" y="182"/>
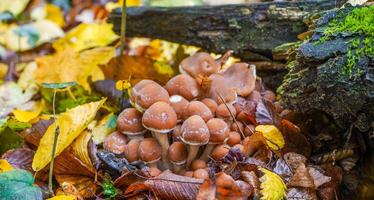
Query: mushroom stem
<point x="192" y="153"/>
<point x="139" y="137"/>
<point x="163" y="140"/>
<point x="208" y="149"/>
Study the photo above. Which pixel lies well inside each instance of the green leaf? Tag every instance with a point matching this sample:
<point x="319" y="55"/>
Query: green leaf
<point x="30" y="32"/>
<point x="16" y="125"/>
<point x="18" y="184"/>
<point x="109" y="190"/>
<point x="58" y="85"/>
<point x="9" y="140"/>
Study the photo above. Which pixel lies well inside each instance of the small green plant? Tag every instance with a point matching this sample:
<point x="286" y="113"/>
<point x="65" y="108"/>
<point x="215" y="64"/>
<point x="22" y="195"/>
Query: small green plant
<point x="109" y="191"/>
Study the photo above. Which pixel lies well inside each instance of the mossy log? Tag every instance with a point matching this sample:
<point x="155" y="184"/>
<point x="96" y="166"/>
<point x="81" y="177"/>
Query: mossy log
<point x="335" y="74"/>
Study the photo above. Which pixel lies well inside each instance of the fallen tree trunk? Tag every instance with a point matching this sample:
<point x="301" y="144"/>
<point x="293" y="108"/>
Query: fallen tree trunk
<point x="251" y="30"/>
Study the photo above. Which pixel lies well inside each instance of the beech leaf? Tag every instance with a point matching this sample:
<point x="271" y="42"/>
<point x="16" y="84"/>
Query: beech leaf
<point x="5" y="166"/>
<point x="274" y="138"/>
<point x="272" y="186"/>
<point x="301" y="178"/>
<point x="71" y="124"/>
<point x="20" y="158"/>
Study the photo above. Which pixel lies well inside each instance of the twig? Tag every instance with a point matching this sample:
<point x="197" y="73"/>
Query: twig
<point x="123" y="29"/>
<point x="50" y="178"/>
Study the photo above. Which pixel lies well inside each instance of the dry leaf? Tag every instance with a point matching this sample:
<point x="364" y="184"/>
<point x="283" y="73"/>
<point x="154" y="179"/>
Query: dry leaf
<point x="274" y="138"/>
<point x="227" y="188"/>
<point x="294" y="160"/>
<point x="207" y="190"/>
<point x="5" y="166"/>
<point x="318" y="177"/>
<point x="301" y="178"/>
<point x="272" y="186"/>
<point x="251" y="178"/>
<point x="266" y="113"/>
<point x="86" y="36"/>
<point x="35" y="133"/>
<point x="282" y="169"/>
<point x="20" y="158"/>
<point x="80" y="148"/>
<point x="253" y="143"/>
<point x="70" y="124"/>
<point x="295" y="141"/>
<point x="301" y="193"/>
<point x="69" y="66"/>
<point x="168" y="186"/>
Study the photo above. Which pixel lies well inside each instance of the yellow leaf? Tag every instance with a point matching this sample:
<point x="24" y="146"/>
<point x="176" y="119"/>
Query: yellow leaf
<point x="5" y="166"/>
<point x="71" y="124"/>
<point x="44" y="30"/>
<point x="273" y="136"/>
<point x="86" y="36"/>
<point x="3" y="70"/>
<point x="70" y="66"/>
<point x="15" y="6"/>
<point x="80" y="148"/>
<point x="27" y="116"/>
<point x="63" y="197"/>
<point x="27" y="77"/>
<point x="54" y="14"/>
<point x="105" y="126"/>
<point x="272" y="186"/>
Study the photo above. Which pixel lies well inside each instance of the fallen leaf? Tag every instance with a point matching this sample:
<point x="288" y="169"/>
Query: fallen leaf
<point x="18" y="184"/>
<point x="266" y="113"/>
<point x="228" y="189"/>
<point x="28" y="116"/>
<point x="318" y="177"/>
<point x="138" y="68"/>
<point x="272" y="186"/>
<point x="70" y="124"/>
<point x="28" y="36"/>
<point x="253" y="143"/>
<point x="85" y="36"/>
<point x="251" y="178"/>
<point x="274" y="138"/>
<point x="5" y="166"/>
<point x="80" y="148"/>
<point x="301" y="178"/>
<point x="27" y="78"/>
<point x="168" y="186"/>
<point x="207" y="190"/>
<point x="63" y="197"/>
<point x="15" y="7"/>
<point x="282" y="169"/>
<point x="35" y="133"/>
<point x="20" y="158"/>
<point x="294" y="160"/>
<point x="301" y="193"/>
<point x="105" y="126"/>
<point x="76" y="67"/>
<point x="54" y="14"/>
<point x="295" y="141"/>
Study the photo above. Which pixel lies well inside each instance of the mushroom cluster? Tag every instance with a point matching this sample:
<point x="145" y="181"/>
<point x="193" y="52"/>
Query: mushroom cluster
<point x="196" y="116"/>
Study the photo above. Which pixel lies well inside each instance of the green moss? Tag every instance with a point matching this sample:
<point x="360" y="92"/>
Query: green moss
<point x="359" y="23"/>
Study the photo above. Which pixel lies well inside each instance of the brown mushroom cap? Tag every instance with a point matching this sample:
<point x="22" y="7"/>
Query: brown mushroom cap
<point x="238" y="126"/>
<point x="183" y="85"/>
<point x="198" y="108"/>
<point x="224" y="113"/>
<point x="234" y="138"/>
<point x="131" y="150"/>
<point x="177" y="133"/>
<point x="195" y="131"/>
<point x="241" y="78"/>
<point x="147" y="92"/>
<point x="177" y="153"/>
<point x="129" y="122"/>
<point x="198" y="164"/>
<point x="188" y="174"/>
<point x="160" y="117"/>
<point x="220" y="152"/>
<point x="115" y="142"/>
<point x="219" y="131"/>
<point x="199" y="64"/>
<point x="149" y="150"/>
<point x="211" y="104"/>
<point x="201" y="174"/>
<point x="179" y="104"/>
<point x="219" y="86"/>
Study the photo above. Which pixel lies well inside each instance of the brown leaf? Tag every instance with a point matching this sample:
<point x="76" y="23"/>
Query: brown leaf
<point x="168" y="186"/>
<point x="301" y="193"/>
<point x="282" y="169"/>
<point x="34" y="134"/>
<point x="207" y="190"/>
<point x="20" y="158"/>
<point x="138" y="68"/>
<point x="318" y="177"/>
<point x="294" y="160"/>
<point x="295" y="141"/>
<point x="253" y="143"/>
<point x="266" y="113"/>
<point x="252" y="179"/>
<point x="227" y="188"/>
<point x="70" y="169"/>
<point x="301" y="178"/>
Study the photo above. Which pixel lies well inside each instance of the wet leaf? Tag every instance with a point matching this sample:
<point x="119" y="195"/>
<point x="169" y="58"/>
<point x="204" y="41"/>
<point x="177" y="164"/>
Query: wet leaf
<point x="18" y="184"/>
<point x="272" y="186"/>
<point x="301" y="178"/>
<point x="71" y="124"/>
<point x="168" y="186"/>
<point x="105" y="126"/>
<point x="20" y="158"/>
<point x="86" y="36"/>
<point x="274" y="138"/>
<point x="76" y="67"/>
<point x="5" y="166"/>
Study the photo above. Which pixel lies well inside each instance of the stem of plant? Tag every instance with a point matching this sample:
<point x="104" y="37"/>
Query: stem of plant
<point x="50" y="178"/>
<point x="123" y="29"/>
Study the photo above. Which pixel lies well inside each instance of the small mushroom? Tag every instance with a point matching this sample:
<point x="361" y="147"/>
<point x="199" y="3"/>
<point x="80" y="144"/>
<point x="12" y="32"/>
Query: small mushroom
<point x="198" y="164"/>
<point x="195" y="133"/>
<point x="198" y="108"/>
<point x="131" y="150"/>
<point x="201" y="174"/>
<point x="188" y="173"/>
<point x="150" y="151"/>
<point x="238" y="126"/>
<point x="147" y="92"/>
<point x="226" y="112"/>
<point x="219" y="152"/>
<point x="219" y="90"/>
<point x="241" y="77"/>
<point x="199" y="64"/>
<point x="219" y="132"/>
<point x="234" y="138"/>
<point x="178" y="156"/>
<point x="211" y="104"/>
<point x="115" y="142"/>
<point x="129" y="122"/>
<point x="183" y="85"/>
<point x="179" y="104"/>
<point x="160" y="118"/>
